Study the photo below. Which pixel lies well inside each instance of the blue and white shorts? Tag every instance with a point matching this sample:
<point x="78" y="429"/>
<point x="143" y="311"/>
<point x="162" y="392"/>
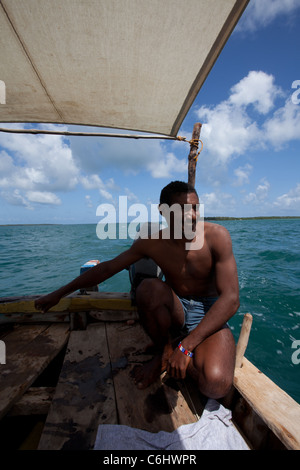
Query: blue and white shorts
<point x="195" y="308"/>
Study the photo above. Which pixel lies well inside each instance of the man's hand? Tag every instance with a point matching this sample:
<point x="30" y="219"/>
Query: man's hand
<point x="178" y="364"/>
<point x="47" y="301"/>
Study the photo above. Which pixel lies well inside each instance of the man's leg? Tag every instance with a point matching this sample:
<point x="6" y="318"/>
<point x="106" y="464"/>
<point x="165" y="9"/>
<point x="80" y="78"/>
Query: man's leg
<point x="159" y="309"/>
<point x="213" y="364"/>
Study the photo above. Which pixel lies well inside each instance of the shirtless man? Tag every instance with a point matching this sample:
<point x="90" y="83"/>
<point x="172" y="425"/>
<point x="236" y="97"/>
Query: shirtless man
<point x="199" y="295"/>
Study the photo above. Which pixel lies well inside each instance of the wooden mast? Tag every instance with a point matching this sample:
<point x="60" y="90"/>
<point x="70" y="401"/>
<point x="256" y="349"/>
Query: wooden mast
<point x="192" y="158"/>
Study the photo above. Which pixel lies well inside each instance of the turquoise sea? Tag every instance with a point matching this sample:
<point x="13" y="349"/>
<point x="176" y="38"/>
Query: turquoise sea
<point x="40" y="258"/>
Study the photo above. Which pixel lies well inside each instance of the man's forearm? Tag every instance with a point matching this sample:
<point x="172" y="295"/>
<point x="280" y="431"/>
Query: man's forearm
<point x="219" y="313"/>
<point x="89" y="278"/>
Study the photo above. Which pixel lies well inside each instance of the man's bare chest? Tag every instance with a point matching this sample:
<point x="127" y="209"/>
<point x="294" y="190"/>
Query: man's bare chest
<point x="177" y="262"/>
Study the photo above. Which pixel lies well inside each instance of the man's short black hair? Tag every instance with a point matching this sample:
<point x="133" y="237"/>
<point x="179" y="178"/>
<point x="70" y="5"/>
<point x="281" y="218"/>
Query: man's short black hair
<point x="175" y="187"/>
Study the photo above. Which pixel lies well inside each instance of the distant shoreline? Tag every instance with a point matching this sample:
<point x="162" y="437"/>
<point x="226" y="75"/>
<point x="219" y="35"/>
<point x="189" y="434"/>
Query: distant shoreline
<point x="205" y="218"/>
<point x="26" y="225"/>
<point x="254" y="218"/>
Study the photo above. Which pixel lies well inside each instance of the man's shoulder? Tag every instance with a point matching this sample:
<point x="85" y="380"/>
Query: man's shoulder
<point x="217" y="236"/>
<point x="145" y="244"/>
<point x="212" y="229"/>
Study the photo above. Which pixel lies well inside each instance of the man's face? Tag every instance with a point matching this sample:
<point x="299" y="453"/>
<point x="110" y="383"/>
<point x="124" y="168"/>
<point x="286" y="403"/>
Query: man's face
<point x="186" y="213"/>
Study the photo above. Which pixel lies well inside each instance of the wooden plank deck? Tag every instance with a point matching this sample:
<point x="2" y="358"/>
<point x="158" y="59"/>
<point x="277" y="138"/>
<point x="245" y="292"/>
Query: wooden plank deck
<point x="29" y="349"/>
<point x="84" y="394"/>
<point x="96" y="387"/>
<point x="160" y="407"/>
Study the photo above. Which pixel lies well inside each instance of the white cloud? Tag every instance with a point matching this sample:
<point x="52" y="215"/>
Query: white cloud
<point x="217" y="203"/>
<point x="107" y="195"/>
<point x="95" y="182"/>
<point x="290" y="200"/>
<point x="228" y="129"/>
<point x="261" y="193"/>
<point x="258" y="89"/>
<point x="44" y="162"/>
<point x="91" y="182"/>
<point x="284" y="125"/>
<point x="131" y="196"/>
<point x="6" y="164"/>
<point x="15" y="198"/>
<point x="246" y="121"/>
<point x="166" y="166"/>
<point x="32" y="168"/>
<point x="88" y="201"/>
<point x="260" y="13"/>
<point x="43" y="197"/>
<point x="242" y="174"/>
<point x="127" y="155"/>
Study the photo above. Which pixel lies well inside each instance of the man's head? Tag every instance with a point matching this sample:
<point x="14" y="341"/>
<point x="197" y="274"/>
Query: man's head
<point x="179" y="204"/>
<point x="174" y="188"/>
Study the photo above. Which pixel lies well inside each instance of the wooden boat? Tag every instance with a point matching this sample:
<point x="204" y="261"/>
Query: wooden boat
<point x="68" y="371"/>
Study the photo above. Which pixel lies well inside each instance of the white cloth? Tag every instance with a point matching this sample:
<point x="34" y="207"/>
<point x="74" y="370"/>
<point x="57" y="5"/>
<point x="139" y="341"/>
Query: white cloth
<point x="213" y="431"/>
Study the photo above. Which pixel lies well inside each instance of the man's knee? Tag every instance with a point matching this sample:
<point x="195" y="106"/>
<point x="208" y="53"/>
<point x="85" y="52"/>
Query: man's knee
<point x="150" y="293"/>
<point x="215" y="382"/>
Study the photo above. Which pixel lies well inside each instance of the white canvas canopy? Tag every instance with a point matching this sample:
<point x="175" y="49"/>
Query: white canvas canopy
<point x="127" y="64"/>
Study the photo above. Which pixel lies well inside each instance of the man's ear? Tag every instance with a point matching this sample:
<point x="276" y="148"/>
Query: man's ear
<point x="164" y="209"/>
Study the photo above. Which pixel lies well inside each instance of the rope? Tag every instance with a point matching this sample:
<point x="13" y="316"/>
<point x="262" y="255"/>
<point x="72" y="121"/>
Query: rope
<point x="193" y="143"/>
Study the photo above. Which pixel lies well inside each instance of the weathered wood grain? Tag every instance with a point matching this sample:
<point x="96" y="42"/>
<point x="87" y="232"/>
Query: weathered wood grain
<point x="161" y="406"/>
<point x="84" y="395"/>
<point x="29" y="349"/>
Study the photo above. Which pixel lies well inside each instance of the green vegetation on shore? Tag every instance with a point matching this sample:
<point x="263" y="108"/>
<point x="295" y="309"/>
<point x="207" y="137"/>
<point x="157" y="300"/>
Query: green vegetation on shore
<point x="205" y="218"/>
<point x="253" y="218"/>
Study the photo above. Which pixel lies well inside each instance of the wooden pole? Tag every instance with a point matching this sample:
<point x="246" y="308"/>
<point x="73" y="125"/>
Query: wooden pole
<point x="243" y="339"/>
<point x="193" y="153"/>
<point x="86" y="134"/>
<point x="240" y="351"/>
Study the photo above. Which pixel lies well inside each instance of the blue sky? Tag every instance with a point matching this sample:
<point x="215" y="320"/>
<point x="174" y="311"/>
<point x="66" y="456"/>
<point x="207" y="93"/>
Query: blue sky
<point x="250" y="162"/>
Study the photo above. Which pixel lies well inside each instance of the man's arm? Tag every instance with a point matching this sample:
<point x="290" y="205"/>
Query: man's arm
<point x="222" y="310"/>
<point x="226" y="279"/>
<point x="94" y="275"/>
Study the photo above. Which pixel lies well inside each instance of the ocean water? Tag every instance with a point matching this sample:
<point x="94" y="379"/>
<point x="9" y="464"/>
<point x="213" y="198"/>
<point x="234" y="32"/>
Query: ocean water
<point x="40" y="258"/>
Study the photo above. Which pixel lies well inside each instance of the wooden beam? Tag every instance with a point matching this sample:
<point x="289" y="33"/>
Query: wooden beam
<point x="87" y="134"/>
<point x="275" y="407"/>
<point x="192" y="158"/>
<point x="72" y="303"/>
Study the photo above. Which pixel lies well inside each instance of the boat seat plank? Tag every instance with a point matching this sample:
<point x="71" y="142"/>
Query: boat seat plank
<point x="84" y="395"/>
<point x="29" y="349"/>
<point x="36" y="401"/>
<point x="161" y="406"/>
<point x="276" y="408"/>
<point x="20" y="336"/>
<point x="71" y="303"/>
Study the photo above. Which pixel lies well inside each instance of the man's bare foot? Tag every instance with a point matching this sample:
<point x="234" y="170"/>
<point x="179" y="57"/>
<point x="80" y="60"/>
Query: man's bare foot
<point x="149" y="372"/>
<point x="146" y="374"/>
